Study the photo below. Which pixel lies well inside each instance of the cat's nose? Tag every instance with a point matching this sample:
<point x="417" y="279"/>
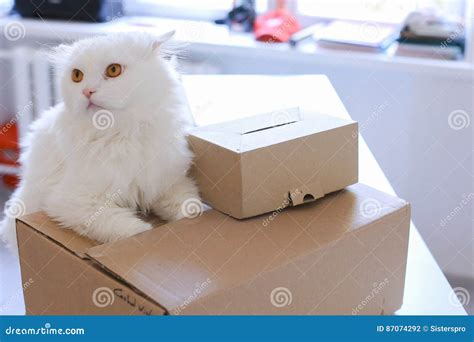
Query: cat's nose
<point x="88" y="92"/>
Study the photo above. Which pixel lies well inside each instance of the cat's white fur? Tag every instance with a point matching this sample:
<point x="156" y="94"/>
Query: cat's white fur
<point x="95" y="179"/>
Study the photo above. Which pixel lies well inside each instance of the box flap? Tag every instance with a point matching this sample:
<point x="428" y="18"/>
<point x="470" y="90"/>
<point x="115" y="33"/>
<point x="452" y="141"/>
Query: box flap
<point x="65" y="237"/>
<point x="183" y="262"/>
<point x="267" y="129"/>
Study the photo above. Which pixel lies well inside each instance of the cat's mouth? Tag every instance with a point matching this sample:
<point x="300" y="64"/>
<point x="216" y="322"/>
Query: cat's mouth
<point x="92" y="106"/>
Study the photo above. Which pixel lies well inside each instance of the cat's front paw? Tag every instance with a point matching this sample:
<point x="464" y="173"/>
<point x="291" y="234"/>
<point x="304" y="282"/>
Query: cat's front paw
<point x="180" y="201"/>
<point x="132" y="229"/>
<point x="191" y="207"/>
<point x="179" y="208"/>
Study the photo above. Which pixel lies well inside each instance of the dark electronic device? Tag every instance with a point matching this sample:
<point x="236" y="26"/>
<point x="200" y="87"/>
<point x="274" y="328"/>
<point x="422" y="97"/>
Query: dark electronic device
<point x="241" y="17"/>
<point x="77" y="10"/>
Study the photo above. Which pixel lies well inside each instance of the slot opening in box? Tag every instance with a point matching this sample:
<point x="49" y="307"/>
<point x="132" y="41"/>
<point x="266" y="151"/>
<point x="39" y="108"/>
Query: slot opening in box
<point x="268" y="127"/>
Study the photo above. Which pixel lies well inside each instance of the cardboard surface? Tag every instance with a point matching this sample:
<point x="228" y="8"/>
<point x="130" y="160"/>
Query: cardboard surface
<point x="343" y="254"/>
<point x="270" y="161"/>
<point x="62" y="281"/>
<point x="67" y="238"/>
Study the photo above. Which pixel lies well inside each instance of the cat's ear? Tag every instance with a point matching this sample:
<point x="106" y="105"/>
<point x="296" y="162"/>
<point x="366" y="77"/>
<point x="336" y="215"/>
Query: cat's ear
<point x="59" y="53"/>
<point x="158" y="41"/>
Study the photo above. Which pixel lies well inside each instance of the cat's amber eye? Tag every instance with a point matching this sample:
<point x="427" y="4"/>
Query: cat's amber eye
<point x="77" y="75"/>
<point x="113" y="70"/>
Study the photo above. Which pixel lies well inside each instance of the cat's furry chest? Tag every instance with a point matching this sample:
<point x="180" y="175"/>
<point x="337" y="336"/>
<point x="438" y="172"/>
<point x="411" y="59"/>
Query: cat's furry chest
<point x="135" y="167"/>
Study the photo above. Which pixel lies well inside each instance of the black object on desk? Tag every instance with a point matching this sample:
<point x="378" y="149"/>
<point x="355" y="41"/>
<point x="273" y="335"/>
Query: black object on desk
<point x="77" y="10"/>
<point x="242" y="16"/>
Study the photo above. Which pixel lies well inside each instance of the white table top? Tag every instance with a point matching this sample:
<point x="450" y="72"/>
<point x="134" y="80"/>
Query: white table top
<point x="427" y="291"/>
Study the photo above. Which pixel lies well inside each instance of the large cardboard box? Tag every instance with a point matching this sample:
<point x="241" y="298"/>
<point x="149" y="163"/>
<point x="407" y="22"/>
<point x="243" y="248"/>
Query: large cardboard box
<point x="344" y="254"/>
<point x="267" y="162"/>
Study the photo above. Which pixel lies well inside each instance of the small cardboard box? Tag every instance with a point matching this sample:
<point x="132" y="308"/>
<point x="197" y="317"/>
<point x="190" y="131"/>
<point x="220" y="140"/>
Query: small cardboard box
<point x="263" y="163"/>
<point x="344" y="254"/>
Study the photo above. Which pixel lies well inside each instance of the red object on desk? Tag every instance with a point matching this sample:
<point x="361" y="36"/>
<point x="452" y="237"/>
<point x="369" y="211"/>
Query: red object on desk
<point x="9" y="151"/>
<point x="276" y="26"/>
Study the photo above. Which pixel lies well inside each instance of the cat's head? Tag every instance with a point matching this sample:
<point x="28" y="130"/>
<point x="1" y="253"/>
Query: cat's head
<point x="114" y="72"/>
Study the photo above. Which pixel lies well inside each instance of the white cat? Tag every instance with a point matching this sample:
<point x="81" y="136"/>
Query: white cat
<point x="116" y="146"/>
